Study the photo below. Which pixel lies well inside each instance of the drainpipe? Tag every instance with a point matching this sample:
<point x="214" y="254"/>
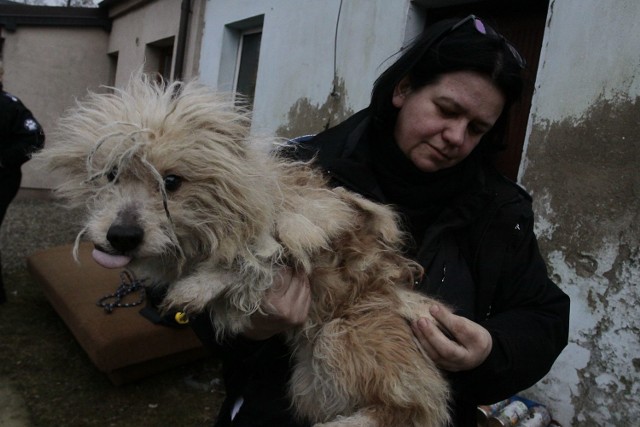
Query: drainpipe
<point x="183" y="32"/>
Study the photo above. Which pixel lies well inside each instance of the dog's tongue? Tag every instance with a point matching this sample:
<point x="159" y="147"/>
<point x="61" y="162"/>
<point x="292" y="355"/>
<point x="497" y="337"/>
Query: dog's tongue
<point x="110" y="261"/>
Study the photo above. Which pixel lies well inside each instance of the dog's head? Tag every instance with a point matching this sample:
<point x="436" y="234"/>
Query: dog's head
<point x="168" y="175"/>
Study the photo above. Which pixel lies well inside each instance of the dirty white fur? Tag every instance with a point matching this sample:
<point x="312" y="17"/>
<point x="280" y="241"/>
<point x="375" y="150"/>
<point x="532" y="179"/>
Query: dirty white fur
<point x="240" y="214"/>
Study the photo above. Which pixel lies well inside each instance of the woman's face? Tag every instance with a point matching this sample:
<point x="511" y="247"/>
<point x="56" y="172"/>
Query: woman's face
<point x="440" y="124"/>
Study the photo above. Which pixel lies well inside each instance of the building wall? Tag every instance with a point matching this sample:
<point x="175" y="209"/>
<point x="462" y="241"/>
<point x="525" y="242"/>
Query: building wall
<point x="137" y="24"/>
<point x="194" y="39"/>
<point x="581" y="165"/>
<point x="296" y="72"/>
<point x="133" y="31"/>
<point x="48" y="68"/>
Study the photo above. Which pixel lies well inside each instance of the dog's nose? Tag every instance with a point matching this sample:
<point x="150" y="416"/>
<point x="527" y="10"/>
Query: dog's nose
<point x="125" y="238"/>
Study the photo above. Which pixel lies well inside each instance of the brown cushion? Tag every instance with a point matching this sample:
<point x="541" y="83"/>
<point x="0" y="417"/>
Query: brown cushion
<point x="123" y="344"/>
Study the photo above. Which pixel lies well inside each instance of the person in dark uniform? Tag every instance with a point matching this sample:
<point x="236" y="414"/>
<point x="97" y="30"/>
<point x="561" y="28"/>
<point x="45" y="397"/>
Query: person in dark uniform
<point x="20" y="136"/>
<point x="425" y="146"/>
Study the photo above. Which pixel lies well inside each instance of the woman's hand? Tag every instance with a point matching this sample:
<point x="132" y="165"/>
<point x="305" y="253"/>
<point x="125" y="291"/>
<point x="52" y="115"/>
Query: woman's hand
<point x="284" y="306"/>
<point x="463" y="346"/>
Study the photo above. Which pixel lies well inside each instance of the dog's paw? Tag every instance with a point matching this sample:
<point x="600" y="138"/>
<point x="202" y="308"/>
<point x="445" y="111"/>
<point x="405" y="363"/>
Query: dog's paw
<point x="194" y="293"/>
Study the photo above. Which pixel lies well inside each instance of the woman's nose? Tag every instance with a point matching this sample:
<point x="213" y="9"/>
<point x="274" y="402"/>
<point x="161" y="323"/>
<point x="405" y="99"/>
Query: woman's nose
<point x="455" y="132"/>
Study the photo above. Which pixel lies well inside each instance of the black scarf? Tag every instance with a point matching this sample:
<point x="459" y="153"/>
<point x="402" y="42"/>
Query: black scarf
<point x="421" y="197"/>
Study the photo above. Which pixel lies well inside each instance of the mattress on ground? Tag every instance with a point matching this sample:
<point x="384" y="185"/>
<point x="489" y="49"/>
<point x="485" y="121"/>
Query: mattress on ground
<point x="123" y="344"/>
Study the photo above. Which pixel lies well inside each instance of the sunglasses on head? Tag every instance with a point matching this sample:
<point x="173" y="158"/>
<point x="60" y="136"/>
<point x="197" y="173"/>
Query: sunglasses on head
<point x="486" y="30"/>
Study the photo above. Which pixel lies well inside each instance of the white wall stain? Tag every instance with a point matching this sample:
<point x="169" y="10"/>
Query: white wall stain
<point x="599" y="368"/>
<point x="544" y="225"/>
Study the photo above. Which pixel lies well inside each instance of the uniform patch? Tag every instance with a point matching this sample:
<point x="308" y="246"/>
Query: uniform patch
<point x="30" y="125"/>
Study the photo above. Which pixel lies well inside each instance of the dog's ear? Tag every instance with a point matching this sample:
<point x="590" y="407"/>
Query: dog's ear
<point x="66" y="159"/>
<point x="266" y="247"/>
<point x="379" y="220"/>
<point x="66" y="164"/>
<point x="301" y="238"/>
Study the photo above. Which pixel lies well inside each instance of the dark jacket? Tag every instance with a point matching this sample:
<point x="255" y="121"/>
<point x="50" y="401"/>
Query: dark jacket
<point x="481" y="256"/>
<point x="20" y="133"/>
<point x="20" y="136"/>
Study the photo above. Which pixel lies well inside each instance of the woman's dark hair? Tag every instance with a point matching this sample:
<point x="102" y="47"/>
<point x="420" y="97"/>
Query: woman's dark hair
<point x="440" y="50"/>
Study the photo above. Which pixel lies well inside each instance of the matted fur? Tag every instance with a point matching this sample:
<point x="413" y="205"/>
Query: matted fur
<point x="241" y="213"/>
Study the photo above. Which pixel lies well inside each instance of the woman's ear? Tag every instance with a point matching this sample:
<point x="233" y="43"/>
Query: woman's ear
<point x="400" y="92"/>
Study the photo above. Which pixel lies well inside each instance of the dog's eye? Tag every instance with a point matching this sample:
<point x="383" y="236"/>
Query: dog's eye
<point x="172" y="182"/>
<point x="113" y="173"/>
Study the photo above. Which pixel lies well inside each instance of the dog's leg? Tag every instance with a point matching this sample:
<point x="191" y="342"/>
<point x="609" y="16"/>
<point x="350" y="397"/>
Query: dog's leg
<point x="230" y="294"/>
<point x="368" y="362"/>
<point x="193" y="293"/>
<point x="415" y="306"/>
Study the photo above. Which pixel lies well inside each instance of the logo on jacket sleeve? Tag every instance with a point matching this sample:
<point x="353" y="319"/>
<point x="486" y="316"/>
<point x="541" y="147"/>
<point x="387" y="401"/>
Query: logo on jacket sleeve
<point x="30" y="125"/>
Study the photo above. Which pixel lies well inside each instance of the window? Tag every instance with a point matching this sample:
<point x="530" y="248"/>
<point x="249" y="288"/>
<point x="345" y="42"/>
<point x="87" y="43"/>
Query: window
<point x="159" y="58"/>
<point x="113" y="67"/>
<point x="247" y="64"/>
<point x="240" y="56"/>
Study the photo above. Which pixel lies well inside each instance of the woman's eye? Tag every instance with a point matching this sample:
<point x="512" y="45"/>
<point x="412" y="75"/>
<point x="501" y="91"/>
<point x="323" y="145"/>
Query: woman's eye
<point x="172" y="182"/>
<point x="478" y="129"/>
<point x="446" y="112"/>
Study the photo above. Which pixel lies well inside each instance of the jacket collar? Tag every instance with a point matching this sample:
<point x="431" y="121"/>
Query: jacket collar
<point x="342" y="152"/>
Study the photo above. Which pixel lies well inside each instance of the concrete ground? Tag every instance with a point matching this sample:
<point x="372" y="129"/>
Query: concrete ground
<point x="13" y="411"/>
<point x="50" y="382"/>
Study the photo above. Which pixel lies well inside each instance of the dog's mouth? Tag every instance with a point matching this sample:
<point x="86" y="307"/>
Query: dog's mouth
<point x="108" y="260"/>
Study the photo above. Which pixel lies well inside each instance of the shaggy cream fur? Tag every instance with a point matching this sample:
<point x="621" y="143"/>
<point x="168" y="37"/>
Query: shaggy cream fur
<point x="178" y="190"/>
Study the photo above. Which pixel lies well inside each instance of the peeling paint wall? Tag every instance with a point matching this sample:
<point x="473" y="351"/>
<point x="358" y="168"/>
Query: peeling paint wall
<point x="305" y="117"/>
<point x="582" y="167"/>
<point x="298" y="90"/>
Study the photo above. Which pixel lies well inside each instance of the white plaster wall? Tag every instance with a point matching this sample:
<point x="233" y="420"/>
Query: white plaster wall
<point x="590" y="57"/>
<point x="297" y="50"/>
<point x="48" y="68"/>
<point x="131" y="33"/>
<point x="595" y="43"/>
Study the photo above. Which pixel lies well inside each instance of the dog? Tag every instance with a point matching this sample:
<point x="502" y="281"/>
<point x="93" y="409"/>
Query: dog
<point x="178" y="191"/>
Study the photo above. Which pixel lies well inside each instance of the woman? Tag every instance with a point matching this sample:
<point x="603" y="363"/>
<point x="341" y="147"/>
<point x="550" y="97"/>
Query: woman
<point x="424" y="145"/>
